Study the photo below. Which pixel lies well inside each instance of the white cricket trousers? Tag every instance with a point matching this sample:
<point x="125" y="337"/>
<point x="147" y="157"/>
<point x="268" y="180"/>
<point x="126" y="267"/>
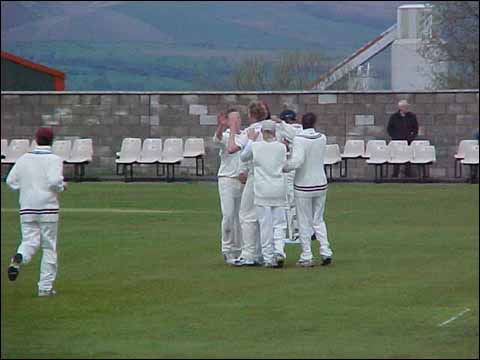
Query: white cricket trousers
<point x="310" y="212"/>
<point x="251" y="249"/>
<point x="41" y="234"/>
<point x="271" y="221"/>
<point x="230" y="190"/>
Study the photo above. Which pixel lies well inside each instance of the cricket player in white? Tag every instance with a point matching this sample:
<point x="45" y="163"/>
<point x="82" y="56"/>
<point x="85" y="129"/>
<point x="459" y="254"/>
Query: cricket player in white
<point x="251" y="250"/>
<point x="269" y="157"/>
<point x="230" y="189"/>
<point x="290" y="117"/>
<point x="310" y="189"/>
<point x="39" y="178"/>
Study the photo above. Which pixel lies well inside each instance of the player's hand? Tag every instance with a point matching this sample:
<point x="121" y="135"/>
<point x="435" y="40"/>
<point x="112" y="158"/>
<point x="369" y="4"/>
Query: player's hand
<point x="243" y="177"/>
<point x="222" y="119"/>
<point x="252" y="134"/>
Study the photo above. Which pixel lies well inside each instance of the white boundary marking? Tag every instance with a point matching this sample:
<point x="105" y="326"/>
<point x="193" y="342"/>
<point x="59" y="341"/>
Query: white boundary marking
<point x="115" y="210"/>
<point x="454" y="317"/>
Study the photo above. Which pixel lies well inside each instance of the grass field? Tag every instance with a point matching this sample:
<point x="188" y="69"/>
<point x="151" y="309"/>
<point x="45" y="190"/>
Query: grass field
<point x="136" y="283"/>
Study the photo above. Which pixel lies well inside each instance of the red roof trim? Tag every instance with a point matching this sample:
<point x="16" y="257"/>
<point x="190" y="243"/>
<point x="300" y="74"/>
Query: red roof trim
<point x="32" y="65"/>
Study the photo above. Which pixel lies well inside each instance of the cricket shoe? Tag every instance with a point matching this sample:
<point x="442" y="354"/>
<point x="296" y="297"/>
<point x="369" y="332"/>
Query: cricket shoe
<point x="326" y="261"/>
<point x="305" y="263"/>
<point x="44" y="293"/>
<point x="280" y="259"/>
<point x="271" y="265"/>
<point x="245" y="262"/>
<point x="14" y="268"/>
<point x="229" y="259"/>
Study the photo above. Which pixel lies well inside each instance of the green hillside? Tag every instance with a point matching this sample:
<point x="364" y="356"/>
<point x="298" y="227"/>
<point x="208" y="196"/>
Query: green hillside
<point x="168" y="45"/>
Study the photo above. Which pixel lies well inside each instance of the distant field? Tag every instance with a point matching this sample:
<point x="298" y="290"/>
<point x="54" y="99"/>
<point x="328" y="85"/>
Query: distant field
<point x="139" y="283"/>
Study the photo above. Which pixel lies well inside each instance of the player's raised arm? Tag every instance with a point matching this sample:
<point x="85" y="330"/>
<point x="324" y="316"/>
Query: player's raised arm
<point x="234" y="121"/>
<point x="222" y="125"/>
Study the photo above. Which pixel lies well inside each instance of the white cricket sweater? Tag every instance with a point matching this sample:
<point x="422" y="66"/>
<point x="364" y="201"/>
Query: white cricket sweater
<point x="38" y="176"/>
<point x="268" y="158"/>
<point x="308" y="160"/>
<point x="230" y="164"/>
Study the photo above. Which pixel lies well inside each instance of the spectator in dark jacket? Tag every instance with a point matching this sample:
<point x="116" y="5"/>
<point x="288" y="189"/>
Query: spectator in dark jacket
<point x="403" y="125"/>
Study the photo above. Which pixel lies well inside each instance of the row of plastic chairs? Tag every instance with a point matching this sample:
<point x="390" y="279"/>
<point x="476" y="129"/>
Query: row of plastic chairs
<point x="397" y="152"/>
<point x="378" y="152"/>
<point x="77" y="152"/>
<point x="169" y="153"/>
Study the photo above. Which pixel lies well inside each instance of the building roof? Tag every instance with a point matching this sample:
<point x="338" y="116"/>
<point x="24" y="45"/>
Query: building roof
<point x="32" y="65"/>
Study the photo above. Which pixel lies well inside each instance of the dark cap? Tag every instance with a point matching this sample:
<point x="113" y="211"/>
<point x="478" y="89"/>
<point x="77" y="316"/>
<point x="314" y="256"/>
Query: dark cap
<point x="44" y="136"/>
<point x="288" y="115"/>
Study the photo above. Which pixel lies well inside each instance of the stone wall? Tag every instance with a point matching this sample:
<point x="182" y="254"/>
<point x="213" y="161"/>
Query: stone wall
<point x="445" y="118"/>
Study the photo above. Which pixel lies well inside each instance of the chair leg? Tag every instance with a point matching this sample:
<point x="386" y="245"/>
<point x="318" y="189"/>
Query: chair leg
<point x="125" y="172"/>
<point x="196" y="167"/>
<point x="203" y="166"/>
<point x="457" y="165"/>
<point x="345" y="168"/>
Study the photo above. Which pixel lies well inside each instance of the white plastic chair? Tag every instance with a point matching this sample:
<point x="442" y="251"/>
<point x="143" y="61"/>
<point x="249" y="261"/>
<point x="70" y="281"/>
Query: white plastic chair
<point x="129" y="155"/>
<point x="421" y="143"/>
<point x="195" y="149"/>
<point x="463" y="147"/>
<point x="4" y="147"/>
<point x="396" y="144"/>
<point x="424" y="156"/>
<point x="332" y="157"/>
<point x="81" y="154"/>
<point x="354" y="149"/>
<point x="15" y="149"/>
<point x="379" y="156"/>
<point x="471" y="159"/>
<point x="372" y="144"/>
<point x="172" y="155"/>
<point x="151" y="151"/>
<point x="400" y="154"/>
<point x="62" y="148"/>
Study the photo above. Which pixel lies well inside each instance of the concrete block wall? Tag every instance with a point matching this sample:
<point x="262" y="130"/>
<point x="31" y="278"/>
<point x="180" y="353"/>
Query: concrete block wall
<point x="445" y="118"/>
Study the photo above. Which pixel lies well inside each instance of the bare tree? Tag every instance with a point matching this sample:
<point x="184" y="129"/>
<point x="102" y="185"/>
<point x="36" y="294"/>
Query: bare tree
<point x="251" y="74"/>
<point x="297" y="70"/>
<point x="454" y="41"/>
<point x="294" y="70"/>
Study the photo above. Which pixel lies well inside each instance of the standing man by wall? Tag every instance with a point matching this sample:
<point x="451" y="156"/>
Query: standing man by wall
<point x="403" y="125"/>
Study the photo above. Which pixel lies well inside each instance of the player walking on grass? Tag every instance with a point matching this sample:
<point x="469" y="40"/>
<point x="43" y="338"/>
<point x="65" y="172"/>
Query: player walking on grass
<point x="230" y="189"/>
<point x="269" y="157"/>
<point x="310" y="189"/>
<point x="38" y="176"/>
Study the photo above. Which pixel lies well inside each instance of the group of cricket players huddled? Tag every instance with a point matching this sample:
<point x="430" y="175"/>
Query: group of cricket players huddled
<point x="270" y="175"/>
<point x="272" y="187"/>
